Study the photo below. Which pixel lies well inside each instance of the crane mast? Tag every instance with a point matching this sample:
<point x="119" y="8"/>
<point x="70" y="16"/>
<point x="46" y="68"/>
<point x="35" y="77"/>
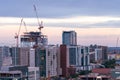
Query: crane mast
<point x="40" y="27"/>
<point x="18" y="33"/>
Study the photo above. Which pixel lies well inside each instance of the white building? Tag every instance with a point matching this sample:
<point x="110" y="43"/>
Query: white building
<point x="111" y="56"/>
<point x="79" y="57"/>
<point x="33" y="73"/>
<point x="47" y="59"/>
<point x="98" y="54"/>
<point x="83" y="57"/>
<point x="51" y="60"/>
<point x="32" y="57"/>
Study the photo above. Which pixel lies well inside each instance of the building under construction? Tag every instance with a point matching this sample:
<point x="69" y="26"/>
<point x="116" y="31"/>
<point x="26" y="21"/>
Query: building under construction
<point x="33" y="39"/>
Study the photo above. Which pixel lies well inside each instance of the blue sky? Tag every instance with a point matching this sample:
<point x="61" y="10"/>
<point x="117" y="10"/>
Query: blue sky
<point x="59" y="8"/>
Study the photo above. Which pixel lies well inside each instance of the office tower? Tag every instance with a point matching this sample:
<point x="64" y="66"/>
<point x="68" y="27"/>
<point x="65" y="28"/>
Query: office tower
<point x="59" y="70"/>
<point x="78" y="55"/>
<point x="51" y="60"/>
<point x="85" y="58"/>
<point x="64" y="60"/>
<point x="46" y="60"/>
<point x="74" y="57"/>
<point x="69" y="38"/>
<point x="40" y="60"/>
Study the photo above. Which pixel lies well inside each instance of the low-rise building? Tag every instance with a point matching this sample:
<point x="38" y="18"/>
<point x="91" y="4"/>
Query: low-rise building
<point x="4" y="53"/>
<point x="11" y="75"/>
<point x="24" y="72"/>
<point x="33" y="73"/>
<point x="115" y="73"/>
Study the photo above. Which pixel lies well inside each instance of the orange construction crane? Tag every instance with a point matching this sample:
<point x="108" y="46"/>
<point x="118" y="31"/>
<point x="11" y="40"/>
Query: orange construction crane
<point x="39" y="24"/>
<point x="17" y="34"/>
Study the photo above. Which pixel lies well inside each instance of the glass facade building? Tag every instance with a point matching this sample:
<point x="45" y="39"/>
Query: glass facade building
<point x="69" y="38"/>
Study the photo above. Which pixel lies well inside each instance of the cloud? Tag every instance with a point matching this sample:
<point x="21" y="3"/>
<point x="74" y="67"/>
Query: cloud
<point x="109" y="24"/>
<point x="73" y="22"/>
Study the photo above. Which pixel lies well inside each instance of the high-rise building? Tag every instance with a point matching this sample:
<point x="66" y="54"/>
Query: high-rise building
<point x="51" y="60"/>
<point x="46" y="60"/>
<point x="40" y="60"/>
<point x="72" y="55"/>
<point x="75" y="57"/>
<point x="64" y="60"/>
<point x="69" y="38"/>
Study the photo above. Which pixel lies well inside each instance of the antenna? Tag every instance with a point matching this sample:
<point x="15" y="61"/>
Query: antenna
<point x="117" y="44"/>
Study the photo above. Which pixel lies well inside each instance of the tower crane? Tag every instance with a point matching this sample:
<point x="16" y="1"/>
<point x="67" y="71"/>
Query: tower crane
<point x="39" y="24"/>
<point x="25" y="26"/>
<point x="40" y="27"/>
<point x="18" y="33"/>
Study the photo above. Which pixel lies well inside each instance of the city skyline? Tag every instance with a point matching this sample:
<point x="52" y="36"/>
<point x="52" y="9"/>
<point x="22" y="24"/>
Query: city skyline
<point x="95" y="21"/>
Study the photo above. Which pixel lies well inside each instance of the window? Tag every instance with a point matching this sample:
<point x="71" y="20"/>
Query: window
<point x="42" y="58"/>
<point x="53" y="56"/>
<point x="51" y="63"/>
<point x="82" y="51"/>
<point x="48" y="53"/>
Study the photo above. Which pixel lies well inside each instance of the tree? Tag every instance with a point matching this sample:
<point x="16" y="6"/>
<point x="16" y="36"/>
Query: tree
<point x="84" y="72"/>
<point x="109" y="63"/>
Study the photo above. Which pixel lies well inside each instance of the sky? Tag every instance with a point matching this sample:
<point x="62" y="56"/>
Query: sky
<point x="95" y="21"/>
